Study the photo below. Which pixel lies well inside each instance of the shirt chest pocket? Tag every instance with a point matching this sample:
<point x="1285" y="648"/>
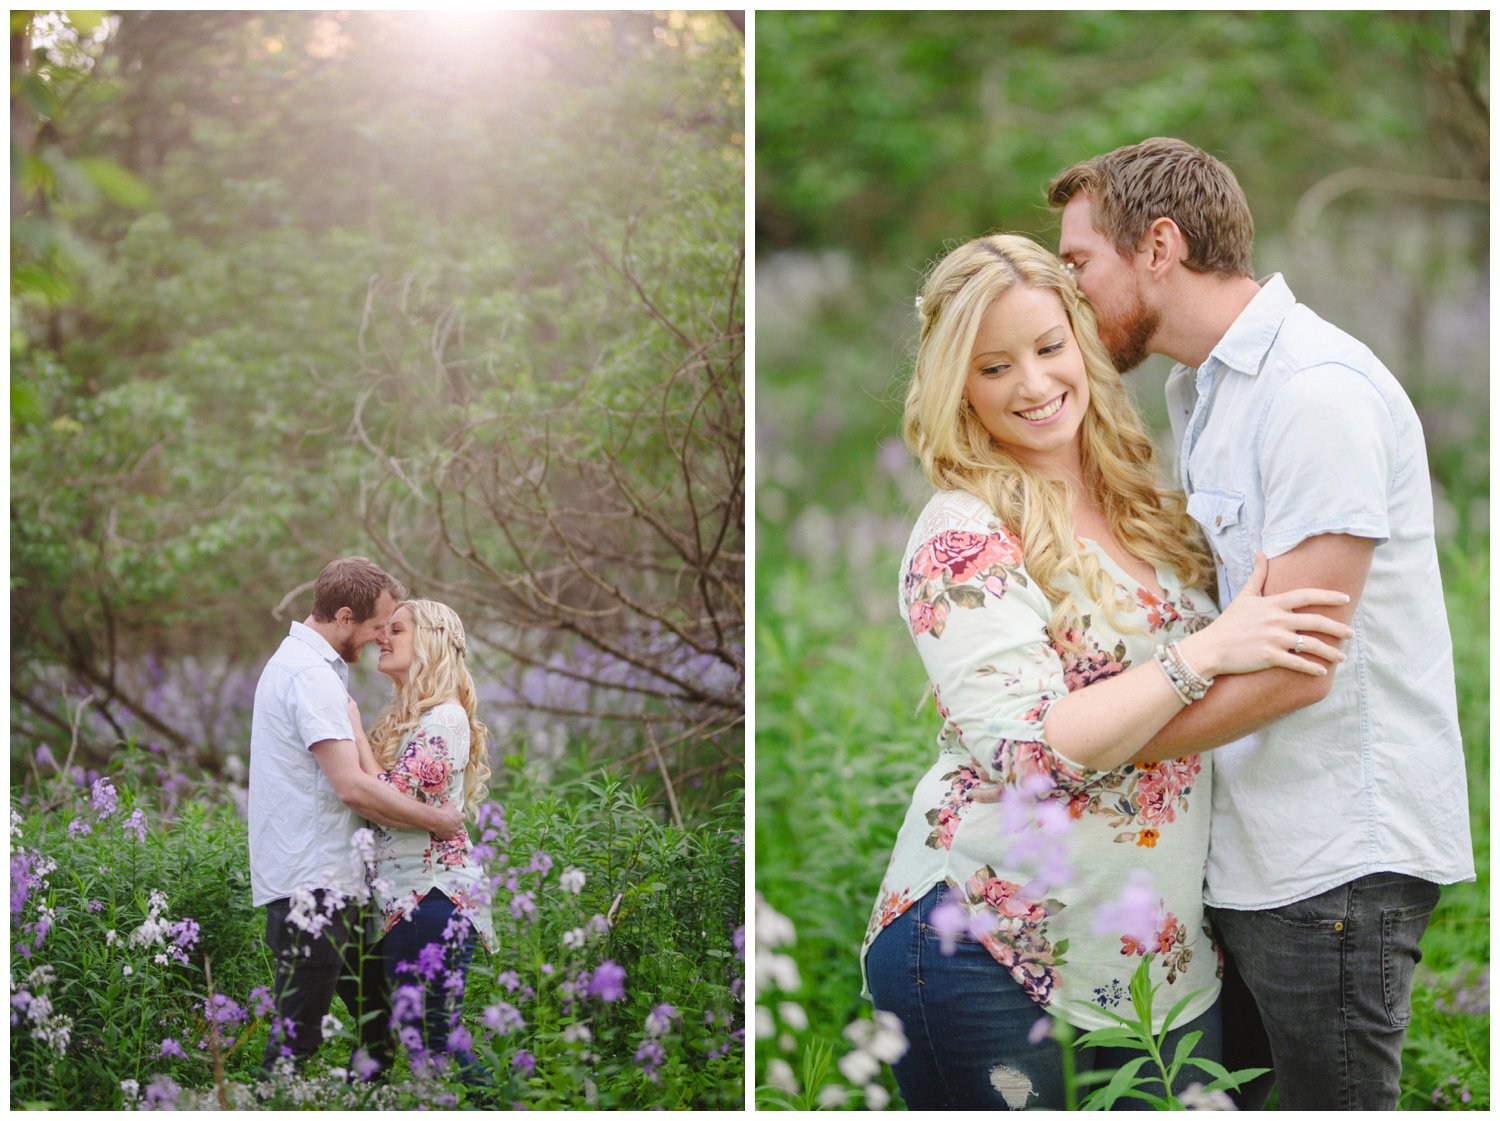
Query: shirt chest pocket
<point x="1221" y="513"/>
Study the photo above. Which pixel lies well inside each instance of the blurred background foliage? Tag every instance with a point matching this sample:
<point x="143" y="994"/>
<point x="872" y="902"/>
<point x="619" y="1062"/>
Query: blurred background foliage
<point x="885" y="138"/>
<point x="283" y="283"/>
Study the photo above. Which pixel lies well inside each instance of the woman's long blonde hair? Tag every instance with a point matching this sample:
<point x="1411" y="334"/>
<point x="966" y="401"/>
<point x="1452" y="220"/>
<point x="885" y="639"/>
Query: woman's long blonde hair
<point x="438" y="671"/>
<point x="1118" y="461"/>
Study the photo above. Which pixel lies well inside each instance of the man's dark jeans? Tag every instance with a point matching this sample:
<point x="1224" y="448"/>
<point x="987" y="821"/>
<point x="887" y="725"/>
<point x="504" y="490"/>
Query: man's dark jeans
<point x="1320" y="990"/>
<point x="311" y="969"/>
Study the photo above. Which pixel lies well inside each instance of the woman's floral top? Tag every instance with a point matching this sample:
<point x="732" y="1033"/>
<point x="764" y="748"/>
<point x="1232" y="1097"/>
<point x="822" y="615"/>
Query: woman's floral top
<point x="1035" y="849"/>
<point x="410" y="863"/>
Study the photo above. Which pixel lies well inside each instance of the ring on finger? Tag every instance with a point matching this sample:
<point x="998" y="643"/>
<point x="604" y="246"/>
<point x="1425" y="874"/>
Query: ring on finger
<point x="1301" y="644"/>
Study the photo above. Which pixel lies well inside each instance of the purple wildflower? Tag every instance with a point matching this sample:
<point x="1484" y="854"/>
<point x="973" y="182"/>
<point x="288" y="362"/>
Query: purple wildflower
<point x="171" y="1049"/>
<point x="1136" y="914"/>
<point x="105" y="800"/>
<point x="540" y="862"/>
<point x="79" y="828"/>
<point x="650" y="1056"/>
<point x="261" y="1002"/>
<point x="136" y="823"/>
<point x="162" y="1093"/>
<point x="45" y="758"/>
<point x="524" y="1062"/>
<point x="523" y="904"/>
<point x="459" y="1040"/>
<point x="659" y="1020"/>
<point x="503" y="1018"/>
<point x="362" y="1065"/>
<point x="430" y="960"/>
<point x="20" y="882"/>
<point x="739" y="942"/>
<point x="219" y="1009"/>
<point x="948" y="920"/>
<point x="608" y="982"/>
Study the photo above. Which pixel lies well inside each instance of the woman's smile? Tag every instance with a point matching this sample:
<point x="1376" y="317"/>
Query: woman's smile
<point x="1045" y="413"/>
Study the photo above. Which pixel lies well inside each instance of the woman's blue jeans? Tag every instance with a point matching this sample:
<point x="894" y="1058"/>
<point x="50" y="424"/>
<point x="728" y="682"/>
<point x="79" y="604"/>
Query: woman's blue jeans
<point x="441" y="978"/>
<point x="968" y="1024"/>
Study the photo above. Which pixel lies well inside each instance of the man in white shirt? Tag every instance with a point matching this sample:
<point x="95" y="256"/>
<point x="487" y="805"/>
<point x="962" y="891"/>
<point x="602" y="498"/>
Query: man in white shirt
<point x="308" y="798"/>
<point x="1339" y="801"/>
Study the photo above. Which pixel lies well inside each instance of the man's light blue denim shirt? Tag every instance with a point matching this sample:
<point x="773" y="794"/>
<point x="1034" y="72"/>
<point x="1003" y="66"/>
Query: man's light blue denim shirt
<point x="1289" y="430"/>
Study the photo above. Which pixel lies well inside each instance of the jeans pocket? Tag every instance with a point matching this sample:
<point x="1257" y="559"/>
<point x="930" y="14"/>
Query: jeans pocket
<point x="1401" y="931"/>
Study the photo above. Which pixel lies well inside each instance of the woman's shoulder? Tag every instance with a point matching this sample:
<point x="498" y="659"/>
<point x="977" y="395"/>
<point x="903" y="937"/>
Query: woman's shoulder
<point x="446" y="714"/>
<point x="957" y="512"/>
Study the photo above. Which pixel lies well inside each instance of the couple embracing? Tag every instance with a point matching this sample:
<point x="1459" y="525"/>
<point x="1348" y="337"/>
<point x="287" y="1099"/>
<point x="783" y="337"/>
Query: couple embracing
<point x="1280" y="783"/>
<point x="389" y="908"/>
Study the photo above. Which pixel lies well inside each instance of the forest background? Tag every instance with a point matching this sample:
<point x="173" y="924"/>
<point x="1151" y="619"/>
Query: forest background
<point x="462" y="292"/>
<point x="1362" y="142"/>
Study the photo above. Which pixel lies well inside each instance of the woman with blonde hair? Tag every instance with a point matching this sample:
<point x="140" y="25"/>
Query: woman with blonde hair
<point x="1053" y="589"/>
<point x="428" y="743"/>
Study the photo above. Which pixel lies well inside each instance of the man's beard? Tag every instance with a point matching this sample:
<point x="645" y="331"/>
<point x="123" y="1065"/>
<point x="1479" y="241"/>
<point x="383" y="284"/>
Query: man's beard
<point x="350" y="652"/>
<point x="1131" y="341"/>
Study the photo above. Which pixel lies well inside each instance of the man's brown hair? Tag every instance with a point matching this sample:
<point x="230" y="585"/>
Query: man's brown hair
<point x="1131" y="187"/>
<point x="355" y="583"/>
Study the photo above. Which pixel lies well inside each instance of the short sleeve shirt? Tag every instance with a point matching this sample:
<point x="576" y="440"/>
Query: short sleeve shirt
<point x="408" y="862"/>
<point x="1289" y="430"/>
<point x="300" y="833"/>
<point x="980" y="625"/>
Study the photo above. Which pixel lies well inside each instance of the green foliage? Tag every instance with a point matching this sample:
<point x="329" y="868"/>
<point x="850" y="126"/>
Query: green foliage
<point x="241" y="233"/>
<point x="673" y="898"/>
<point x="889" y="132"/>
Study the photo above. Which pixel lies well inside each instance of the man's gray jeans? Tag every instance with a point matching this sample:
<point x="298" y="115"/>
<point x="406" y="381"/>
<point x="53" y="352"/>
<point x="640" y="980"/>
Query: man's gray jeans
<point x="1320" y="990"/>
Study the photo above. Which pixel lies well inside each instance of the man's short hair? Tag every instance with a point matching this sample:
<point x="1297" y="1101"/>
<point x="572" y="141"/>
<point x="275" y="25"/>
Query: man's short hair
<point x="1133" y="186"/>
<point x="355" y="583"/>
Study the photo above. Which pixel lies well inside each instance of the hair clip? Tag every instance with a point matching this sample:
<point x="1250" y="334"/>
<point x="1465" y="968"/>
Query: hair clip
<point x="919" y="303"/>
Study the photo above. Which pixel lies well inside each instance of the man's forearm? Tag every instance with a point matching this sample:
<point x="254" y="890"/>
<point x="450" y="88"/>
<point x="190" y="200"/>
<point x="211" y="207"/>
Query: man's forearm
<point x="381" y="803"/>
<point x="1234" y="707"/>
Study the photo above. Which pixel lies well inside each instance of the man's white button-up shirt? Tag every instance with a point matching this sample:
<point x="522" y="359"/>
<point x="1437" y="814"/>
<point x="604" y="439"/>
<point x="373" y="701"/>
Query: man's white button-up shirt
<point x="1289" y="430"/>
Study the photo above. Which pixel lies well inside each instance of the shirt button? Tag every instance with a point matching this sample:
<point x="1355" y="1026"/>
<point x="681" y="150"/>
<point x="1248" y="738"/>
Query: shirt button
<point x="1219" y="520"/>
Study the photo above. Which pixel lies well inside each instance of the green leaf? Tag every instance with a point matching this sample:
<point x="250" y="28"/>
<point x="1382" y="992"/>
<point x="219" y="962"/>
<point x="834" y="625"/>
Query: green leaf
<point x="1177" y="1009"/>
<point x="115" y="183"/>
<point x="1111" y="1037"/>
<point x="1185" y="1046"/>
<point x="1119" y="1083"/>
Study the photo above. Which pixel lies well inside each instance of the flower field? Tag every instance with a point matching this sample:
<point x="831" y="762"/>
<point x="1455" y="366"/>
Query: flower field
<point x="140" y="978"/>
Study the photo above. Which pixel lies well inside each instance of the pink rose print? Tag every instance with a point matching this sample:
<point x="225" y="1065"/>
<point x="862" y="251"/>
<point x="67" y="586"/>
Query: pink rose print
<point x="961" y="553"/>
<point x="922" y="617"/>
<point x="430" y="772"/>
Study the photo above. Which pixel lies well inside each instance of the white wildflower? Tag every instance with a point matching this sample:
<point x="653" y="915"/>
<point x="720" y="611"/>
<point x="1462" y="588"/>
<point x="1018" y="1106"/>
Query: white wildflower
<point x="832" y="1097"/>
<point x="574" y="938"/>
<point x="859" y="1067"/>
<point x="331" y="1026"/>
<point x="792" y="1015"/>
<point x="877" y="1096"/>
<point x="779" y="1075"/>
<point x="765" y="1026"/>
<point x="1196" y="1097"/>
<point x="571" y="881"/>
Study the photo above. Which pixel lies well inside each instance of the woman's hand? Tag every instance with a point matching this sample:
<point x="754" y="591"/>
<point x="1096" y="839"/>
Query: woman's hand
<point x="1257" y="631"/>
<point x="354" y="714"/>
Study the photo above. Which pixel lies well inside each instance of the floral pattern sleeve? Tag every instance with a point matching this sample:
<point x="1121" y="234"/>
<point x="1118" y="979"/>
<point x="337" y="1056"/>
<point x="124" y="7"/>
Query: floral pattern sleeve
<point x="981" y="628"/>
<point x="409" y="863"/>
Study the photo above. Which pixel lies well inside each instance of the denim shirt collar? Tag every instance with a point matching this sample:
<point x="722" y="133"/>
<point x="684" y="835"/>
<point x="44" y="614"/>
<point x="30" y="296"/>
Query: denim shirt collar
<point x="1249" y="338"/>
<point x="320" y="645"/>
